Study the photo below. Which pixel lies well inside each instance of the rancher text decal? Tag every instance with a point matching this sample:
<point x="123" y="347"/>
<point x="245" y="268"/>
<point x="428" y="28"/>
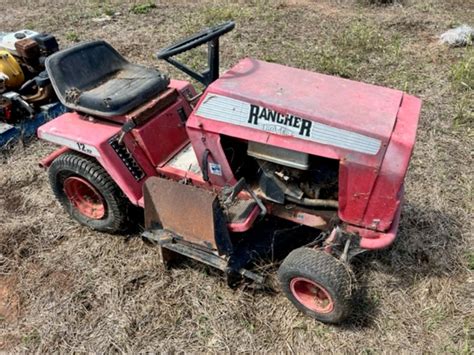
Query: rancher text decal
<point x="258" y="113"/>
<point x="225" y="109"/>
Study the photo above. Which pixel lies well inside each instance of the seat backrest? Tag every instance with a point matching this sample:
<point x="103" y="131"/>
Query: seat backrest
<point x="83" y="66"/>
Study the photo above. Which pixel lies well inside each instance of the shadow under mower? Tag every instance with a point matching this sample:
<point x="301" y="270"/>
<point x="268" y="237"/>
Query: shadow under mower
<point x="216" y="172"/>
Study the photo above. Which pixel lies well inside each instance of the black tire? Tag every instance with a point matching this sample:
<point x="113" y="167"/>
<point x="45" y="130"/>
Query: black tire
<point x="327" y="272"/>
<point x="117" y="206"/>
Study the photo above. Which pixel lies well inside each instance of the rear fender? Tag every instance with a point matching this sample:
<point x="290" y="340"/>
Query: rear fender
<point x="95" y="138"/>
<point x="47" y="161"/>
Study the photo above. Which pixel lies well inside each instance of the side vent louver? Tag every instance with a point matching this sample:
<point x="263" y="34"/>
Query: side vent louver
<point x="127" y="159"/>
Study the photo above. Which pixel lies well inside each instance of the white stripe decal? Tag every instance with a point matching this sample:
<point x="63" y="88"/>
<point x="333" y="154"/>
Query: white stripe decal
<point x="225" y="109"/>
<point x="82" y="147"/>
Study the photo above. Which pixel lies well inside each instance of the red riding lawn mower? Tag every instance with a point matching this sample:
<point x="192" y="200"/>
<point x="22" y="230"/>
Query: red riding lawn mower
<point x="265" y="160"/>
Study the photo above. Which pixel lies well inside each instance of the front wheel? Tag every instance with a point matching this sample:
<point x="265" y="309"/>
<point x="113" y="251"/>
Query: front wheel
<point x="88" y="193"/>
<point x="317" y="284"/>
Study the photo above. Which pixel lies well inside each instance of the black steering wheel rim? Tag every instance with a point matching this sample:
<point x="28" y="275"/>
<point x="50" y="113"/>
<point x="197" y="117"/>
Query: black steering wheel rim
<point x="196" y="40"/>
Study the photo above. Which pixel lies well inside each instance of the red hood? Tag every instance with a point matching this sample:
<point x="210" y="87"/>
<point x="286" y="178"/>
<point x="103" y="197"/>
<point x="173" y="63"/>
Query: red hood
<point x="341" y="103"/>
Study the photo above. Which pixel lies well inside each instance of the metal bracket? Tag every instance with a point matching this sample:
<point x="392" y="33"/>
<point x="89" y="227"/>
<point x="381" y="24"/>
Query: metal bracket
<point x="165" y="239"/>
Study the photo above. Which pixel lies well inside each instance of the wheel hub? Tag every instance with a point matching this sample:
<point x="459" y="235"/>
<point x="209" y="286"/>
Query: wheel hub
<point x="311" y="295"/>
<point x="84" y="197"/>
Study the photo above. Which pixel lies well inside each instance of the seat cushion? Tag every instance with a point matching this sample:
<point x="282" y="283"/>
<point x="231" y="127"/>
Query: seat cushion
<point x="94" y="78"/>
<point x="122" y="91"/>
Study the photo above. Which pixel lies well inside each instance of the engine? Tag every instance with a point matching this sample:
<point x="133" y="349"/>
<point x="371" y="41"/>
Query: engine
<point x="285" y="175"/>
<point x="24" y="83"/>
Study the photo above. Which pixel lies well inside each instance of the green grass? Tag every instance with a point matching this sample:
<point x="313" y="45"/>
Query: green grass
<point x="470" y="260"/>
<point x="435" y="317"/>
<point x="216" y="14"/>
<point x="330" y="63"/>
<point x="99" y="8"/>
<point x="109" y="11"/>
<point x="462" y="81"/>
<point x="467" y="330"/>
<point x="72" y="36"/>
<point x="211" y="15"/>
<point x="31" y="339"/>
<point x="380" y="2"/>
<point x="464" y="111"/>
<point x="361" y="37"/>
<point x="351" y="51"/>
<point x="462" y="73"/>
<point x="141" y="9"/>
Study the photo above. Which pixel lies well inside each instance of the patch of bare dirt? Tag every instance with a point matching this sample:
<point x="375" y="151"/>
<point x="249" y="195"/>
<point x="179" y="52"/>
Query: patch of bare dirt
<point x="9" y="311"/>
<point x="9" y="300"/>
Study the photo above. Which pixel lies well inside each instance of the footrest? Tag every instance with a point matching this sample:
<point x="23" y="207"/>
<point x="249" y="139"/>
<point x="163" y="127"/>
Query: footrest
<point x="240" y="210"/>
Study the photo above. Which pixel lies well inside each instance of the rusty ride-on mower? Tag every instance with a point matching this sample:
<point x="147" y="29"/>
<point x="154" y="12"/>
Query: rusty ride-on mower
<point x="267" y="157"/>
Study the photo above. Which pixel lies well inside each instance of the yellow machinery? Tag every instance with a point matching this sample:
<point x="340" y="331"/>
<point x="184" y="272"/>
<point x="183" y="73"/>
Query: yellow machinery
<point x="11" y="70"/>
<point x="24" y="82"/>
<point x="27" y="98"/>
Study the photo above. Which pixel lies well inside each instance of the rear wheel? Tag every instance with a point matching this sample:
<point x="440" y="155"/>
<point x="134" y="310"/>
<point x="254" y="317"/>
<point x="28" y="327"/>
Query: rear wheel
<point x="88" y="193"/>
<point x="317" y="284"/>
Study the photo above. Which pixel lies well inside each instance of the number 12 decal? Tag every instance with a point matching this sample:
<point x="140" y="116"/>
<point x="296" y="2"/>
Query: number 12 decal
<point x="83" y="148"/>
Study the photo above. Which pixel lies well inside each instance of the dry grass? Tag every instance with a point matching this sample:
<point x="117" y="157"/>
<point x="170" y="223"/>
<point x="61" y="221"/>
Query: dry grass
<point x="65" y="288"/>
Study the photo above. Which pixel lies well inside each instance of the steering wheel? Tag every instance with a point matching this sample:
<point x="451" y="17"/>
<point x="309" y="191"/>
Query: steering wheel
<point x="196" y="40"/>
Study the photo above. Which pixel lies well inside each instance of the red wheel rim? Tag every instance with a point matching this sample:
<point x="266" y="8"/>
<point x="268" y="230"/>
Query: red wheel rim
<point x="311" y="295"/>
<point x="84" y="197"/>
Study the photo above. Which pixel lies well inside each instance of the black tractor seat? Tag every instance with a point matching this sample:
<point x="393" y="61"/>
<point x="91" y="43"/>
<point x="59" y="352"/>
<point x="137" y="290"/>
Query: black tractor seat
<point x="94" y="78"/>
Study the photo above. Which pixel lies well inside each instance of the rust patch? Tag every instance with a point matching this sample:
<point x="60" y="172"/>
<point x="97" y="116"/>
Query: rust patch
<point x="185" y="210"/>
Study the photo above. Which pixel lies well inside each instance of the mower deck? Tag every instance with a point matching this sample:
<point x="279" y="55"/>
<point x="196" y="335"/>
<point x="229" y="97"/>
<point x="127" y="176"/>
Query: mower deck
<point x="252" y="252"/>
<point x="11" y="133"/>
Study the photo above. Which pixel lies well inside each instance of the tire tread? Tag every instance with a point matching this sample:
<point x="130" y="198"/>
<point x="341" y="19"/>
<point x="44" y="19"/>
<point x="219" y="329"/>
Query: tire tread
<point x="89" y="168"/>
<point x="324" y="269"/>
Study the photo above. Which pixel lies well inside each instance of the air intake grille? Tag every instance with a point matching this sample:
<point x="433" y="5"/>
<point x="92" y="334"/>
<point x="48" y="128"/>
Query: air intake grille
<point x="127" y="159"/>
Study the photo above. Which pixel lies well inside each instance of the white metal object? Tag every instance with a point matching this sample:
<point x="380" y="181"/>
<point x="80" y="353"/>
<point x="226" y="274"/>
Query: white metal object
<point x="8" y="39"/>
